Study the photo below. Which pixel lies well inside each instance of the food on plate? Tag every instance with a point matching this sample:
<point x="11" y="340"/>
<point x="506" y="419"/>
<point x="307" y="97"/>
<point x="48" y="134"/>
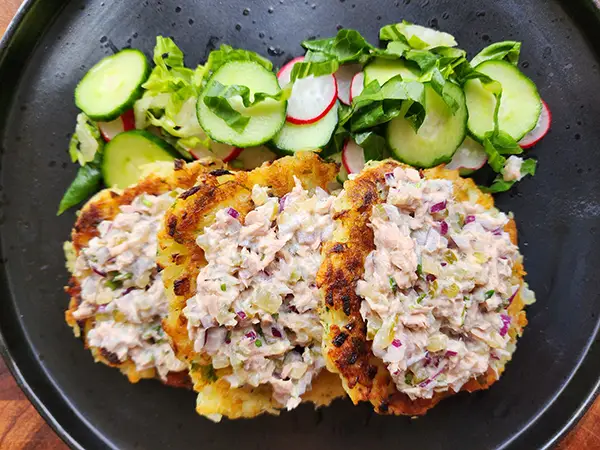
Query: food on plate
<point x="117" y="295"/>
<point x="417" y="98"/>
<point x="240" y="253"/>
<point x="422" y="288"/>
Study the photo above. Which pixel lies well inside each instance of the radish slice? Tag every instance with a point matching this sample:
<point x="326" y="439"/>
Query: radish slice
<point x="125" y="122"/>
<point x="312" y="97"/>
<point x="253" y="157"/>
<point x="469" y="157"/>
<point x="344" y="77"/>
<point x="357" y="85"/>
<point x="224" y="152"/>
<point x="540" y="130"/>
<point x="353" y="157"/>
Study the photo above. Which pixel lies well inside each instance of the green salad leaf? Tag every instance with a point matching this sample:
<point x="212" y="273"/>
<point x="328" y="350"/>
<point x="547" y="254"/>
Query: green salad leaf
<point x="87" y="182"/>
<point x="417" y="36"/>
<point x="315" y="64"/>
<point x="380" y="104"/>
<point x="86" y="141"/>
<point x="505" y="50"/>
<point x="347" y="46"/>
<point x="217" y="97"/>
<point x="374" y="146"/>
<point x="226" y="53"/>
<point x="499" y="184"/>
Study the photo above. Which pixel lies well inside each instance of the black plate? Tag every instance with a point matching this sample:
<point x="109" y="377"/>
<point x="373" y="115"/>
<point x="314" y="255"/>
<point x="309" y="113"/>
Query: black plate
<point x="553" y="376"/>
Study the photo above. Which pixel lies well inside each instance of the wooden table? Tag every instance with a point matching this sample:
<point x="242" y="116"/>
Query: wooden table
<point x="21" y="427"/>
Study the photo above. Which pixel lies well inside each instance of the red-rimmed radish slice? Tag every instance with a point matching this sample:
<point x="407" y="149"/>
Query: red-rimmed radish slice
<point x="253" y="157"/>
<point x="353" y="157"/>
<point x="540" y="130"/>
<point x="224" y="152"/>
<point x="312" y="97"/>
<point x="344" y="77"/>
<point x="469" y="157"/>
<point x="357" y="85"/>
<point x="285" y="73"/>
<point x="125" y="122"/>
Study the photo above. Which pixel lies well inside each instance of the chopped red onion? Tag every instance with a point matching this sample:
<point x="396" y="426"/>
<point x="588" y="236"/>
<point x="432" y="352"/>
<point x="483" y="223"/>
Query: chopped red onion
<point x="444" y="264"/>
<point x="251" y="335"/>
<point x="430" y="379"/>
<point x="505" y="324"/>
<point x="469" y="219"/>
<point x="389" y="178"/>
<point x="396" y="343"/>
<point x="493" y="356"/>
<point x="282" y="202"/>
<point x="497" y="232"/>
<point x="127" y="291"/>
<point x="241" y="314"/>
<point x="438" y="207"/>
<point x="430" y="277"/>
<point x="443" y="227"/>
<point x="450" y="353"/>
<point x="276" y="332"/>
<point x="98" y="272"/>
<point x="514" y="294"/>
<point x="233" y="213"/>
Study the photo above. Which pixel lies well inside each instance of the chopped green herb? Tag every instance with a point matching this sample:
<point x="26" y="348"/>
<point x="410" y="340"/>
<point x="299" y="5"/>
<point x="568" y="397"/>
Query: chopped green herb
<point x="450" y="257"/>
<point x="393" y="285"/>
<point x="489" y="294"/>
<point x="275" y="316"/>
<point x="421" y="297"/>
<point x="223" y="287"/>
<point x="147" y="203"/>
<point x="208" y="372"/>
<point x="419" y="269"/>
<point x="408" y="378"/>
<point x="258" y="343"/>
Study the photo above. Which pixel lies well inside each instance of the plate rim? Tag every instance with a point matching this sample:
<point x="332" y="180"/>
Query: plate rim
<point x="67" y="437"/>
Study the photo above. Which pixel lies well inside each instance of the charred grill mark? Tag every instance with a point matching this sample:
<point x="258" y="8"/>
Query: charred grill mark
<point x="110" y="356"/>
<point x="338" y="248"/>
<point x="329" y="298"/>
<point x="371" y="372"/>
<point x="349" y="326"/>
<point x="384" y="406"/>
<point x="219" y="172"/>
<point x="172" y="225"/>
<point x="346" y="304"/>
<point x="352" y="358"/>
<point x="190" y="192"/>
<point x="339" y="340"/>
<point x="181" y="287"/>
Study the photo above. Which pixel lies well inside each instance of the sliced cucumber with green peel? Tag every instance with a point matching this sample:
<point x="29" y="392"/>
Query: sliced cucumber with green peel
<point x="520" y="104"/>
<point x="113" y="85"/>
<point x="127" y="152"/>
<point x="266" y="117"/>
<point x="383" y="69"/>
<point x="438" y="137"/>
<point x="314" y="136"/>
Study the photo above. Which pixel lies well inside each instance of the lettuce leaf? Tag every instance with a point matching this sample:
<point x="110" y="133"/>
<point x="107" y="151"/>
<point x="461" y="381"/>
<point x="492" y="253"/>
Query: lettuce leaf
<point x="501" y="185"/>
<point x="217" y="97"/>
<point x="86" y="142"/>
<point x="347" y="46"/>
<point x="505" y="50"/>
<point x="226" y="53"/>
<point x="417" y="36"/>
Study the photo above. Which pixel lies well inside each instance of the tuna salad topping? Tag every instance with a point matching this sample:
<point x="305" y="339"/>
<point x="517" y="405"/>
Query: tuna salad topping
<point x="437" y="286"/>
<point x="122" y="289"/>
<point x="255" y="308"/>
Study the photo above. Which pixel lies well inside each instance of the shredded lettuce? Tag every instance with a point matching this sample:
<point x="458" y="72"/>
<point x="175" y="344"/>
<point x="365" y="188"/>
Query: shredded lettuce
<point x="499" y="184"/>
<point x="86" y="141"/>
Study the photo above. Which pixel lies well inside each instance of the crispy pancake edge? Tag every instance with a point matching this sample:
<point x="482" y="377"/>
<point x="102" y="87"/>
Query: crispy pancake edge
<point x="346" y="348"/>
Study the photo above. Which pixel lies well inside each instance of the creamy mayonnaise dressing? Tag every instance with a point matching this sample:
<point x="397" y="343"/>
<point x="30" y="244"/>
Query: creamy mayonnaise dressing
<point x="437" y="286"/>
<point x="123" y="290"/>
<point x="255" y="308"/>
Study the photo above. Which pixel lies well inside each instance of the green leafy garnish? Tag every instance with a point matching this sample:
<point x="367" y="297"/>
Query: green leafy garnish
<point x="505" y="50"/>
<point x="499" y="184"/>
<point x="417" y="36"/>
<point x="87" y="181"/>
<point x="86" y="142"/>
<point x="218" y="96"/>
<point x="489" y="294"/>
<point x="258" y="343"/>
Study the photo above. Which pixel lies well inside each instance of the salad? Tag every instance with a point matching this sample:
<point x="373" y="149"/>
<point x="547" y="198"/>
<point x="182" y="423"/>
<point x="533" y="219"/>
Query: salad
<point x="416" y="98"/>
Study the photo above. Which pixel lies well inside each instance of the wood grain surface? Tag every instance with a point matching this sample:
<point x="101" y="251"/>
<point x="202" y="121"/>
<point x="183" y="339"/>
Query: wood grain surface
<point x="21" y="427"/>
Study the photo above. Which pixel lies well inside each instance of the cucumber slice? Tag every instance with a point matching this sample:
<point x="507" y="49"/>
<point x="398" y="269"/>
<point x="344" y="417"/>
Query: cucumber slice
<point x="314" y="136"/>
<point x="128" y="152"/>
<point x="520" y="105"/>
<point x="438" y="137"/>
<point x="343" y="173"/>
<point x="113" y="85"/>
<point x="384" y="69"/>
<point x="266" y="118"/>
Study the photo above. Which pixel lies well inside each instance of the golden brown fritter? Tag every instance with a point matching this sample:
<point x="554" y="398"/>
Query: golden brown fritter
<point x="105" y="205"/>
<point x="182" y="260"/>
<point x="345" y="346"/>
